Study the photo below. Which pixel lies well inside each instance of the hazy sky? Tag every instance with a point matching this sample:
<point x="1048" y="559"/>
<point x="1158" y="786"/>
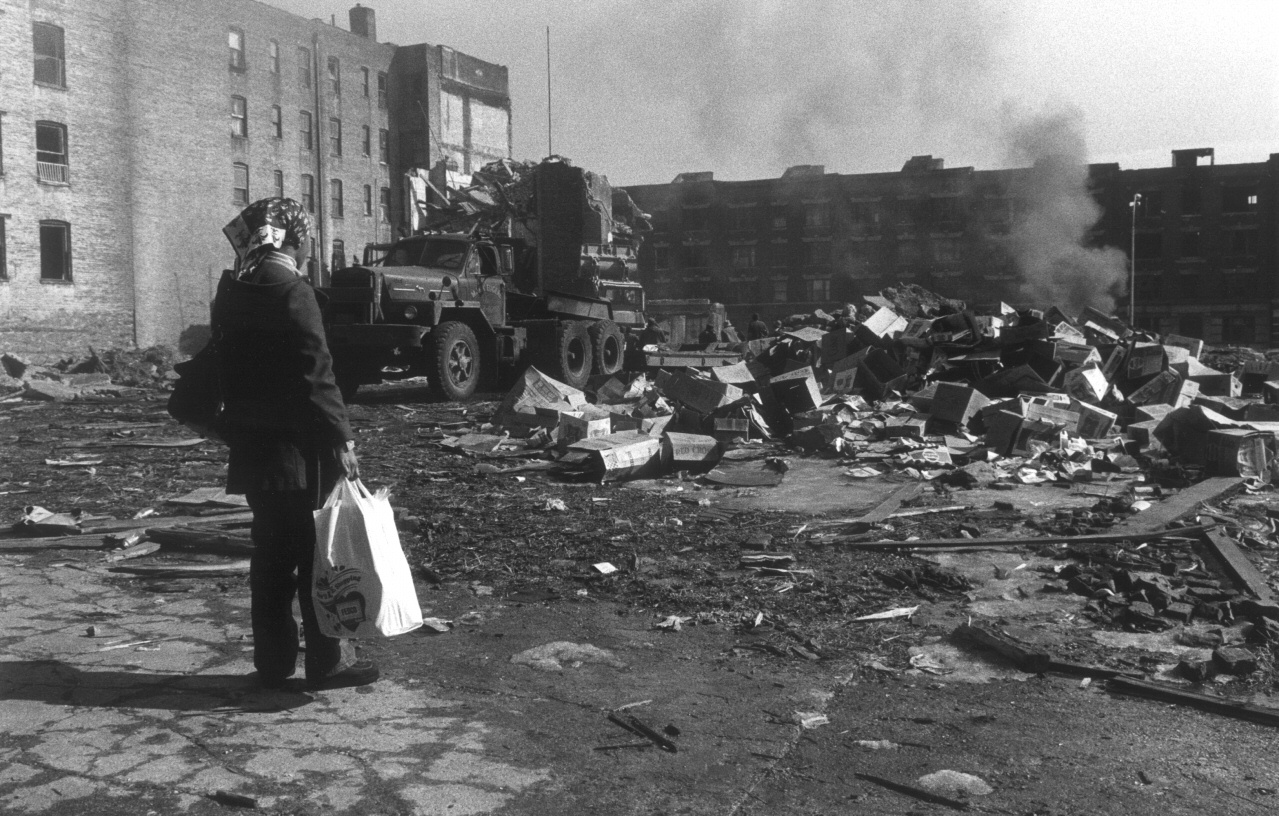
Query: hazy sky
<point x="645" y="90"/>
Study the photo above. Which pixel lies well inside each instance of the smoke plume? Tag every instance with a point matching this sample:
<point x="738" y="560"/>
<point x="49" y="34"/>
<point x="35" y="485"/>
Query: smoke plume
<point x="1057" y="212"/>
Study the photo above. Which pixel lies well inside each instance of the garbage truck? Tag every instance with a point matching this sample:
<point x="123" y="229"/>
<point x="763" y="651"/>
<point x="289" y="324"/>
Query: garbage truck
<point x="517" y="264"/>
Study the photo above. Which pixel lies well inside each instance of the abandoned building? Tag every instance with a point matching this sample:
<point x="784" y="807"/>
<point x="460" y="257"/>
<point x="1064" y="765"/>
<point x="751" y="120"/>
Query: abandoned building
<point x="131" y="131"/>
<point x="1204" y="238"/>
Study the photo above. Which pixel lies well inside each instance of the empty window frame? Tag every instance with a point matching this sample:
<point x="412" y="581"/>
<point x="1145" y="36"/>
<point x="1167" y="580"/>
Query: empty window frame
<point x="384" y="205"/>
<point x="384" y="146"/>
<point x="1239" y="199"/>
<point x="335" y="75"/>
<point x="781" y="290"/>
<point x="52" y="157"/>
<point x="364" y="81"/>
<point x="239" y="117"/>
<point x="306" y="131"/>
<point x="304" y="67"/>
<point x="235" y="41"/>
<point x="817" y="289"/>
<point x="335" y="199"/>
<point x="367" y="142"/>
<point x="273" y="56"/>
<point x="240" y="184"/>
<point x="338" y="256"/>
<point x="50" y="55"/>
<point x="368" y="199"/>
<point x="335" y="137"/>
<point x="744" y="257"/>
<point x="277" y="122"/>
<point x="55" y="251"/>
<point x="308" y="195"/>
<point x="381" y="89"/>
<point x="4" y="256"/>
<point x="279" y="184"/>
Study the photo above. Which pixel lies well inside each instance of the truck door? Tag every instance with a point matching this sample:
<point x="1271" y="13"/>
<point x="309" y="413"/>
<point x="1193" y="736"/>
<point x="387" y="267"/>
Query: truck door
<point x="492" y="286"/>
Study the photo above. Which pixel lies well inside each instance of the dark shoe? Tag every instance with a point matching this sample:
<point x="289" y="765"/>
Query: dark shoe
<point x="358" y="674"/>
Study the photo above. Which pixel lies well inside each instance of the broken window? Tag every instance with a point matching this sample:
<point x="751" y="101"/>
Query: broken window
<point x="384" y="205"/>
<point x="1149" y="245"/>
<point x="235" y="39"/>
<point x="239" y="117"/>
<point x="1190" y="244"/>
<point x="1239" y="199"/>
<point x="817" y="289"/>
<point x="279" y="184"/>
<point x="1191" y="201"/>
<point x="55" y="251"/>
<point x="240" y="184"/>
<point x="304" y="67"/>
<point x="335" y="198"/>
<point x="308" y="195"/>
<point x="277" y="122"/>
<point x="306" y="132"/>
<point x="368" y="199"/>
<point x="50" y="55"/>
<point x="1238" y="329"/>
<point x="273" y="56"/>
<point x="817" y="216"/>
<point x="52" y="160"/>
<point x="335" y="137"/>
<point x="335" y="75"/>
<point x="744" y="257"/>
<point x="1241" y="242"/>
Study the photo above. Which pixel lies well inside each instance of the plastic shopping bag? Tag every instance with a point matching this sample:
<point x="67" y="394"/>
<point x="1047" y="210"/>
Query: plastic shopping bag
<point x="362" y="586"/>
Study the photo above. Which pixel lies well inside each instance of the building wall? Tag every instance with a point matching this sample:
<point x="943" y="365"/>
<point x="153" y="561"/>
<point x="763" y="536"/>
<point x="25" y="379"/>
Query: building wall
<point x="147" y="106"/>
<point x="812" y="239"/>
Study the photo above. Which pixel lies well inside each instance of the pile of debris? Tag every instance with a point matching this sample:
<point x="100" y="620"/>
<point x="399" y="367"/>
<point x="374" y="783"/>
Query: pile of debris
<point x="100" y="374"/>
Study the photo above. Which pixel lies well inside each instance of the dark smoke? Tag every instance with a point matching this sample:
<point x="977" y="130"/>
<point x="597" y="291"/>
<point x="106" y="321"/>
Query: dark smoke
<point x="1057" y="212"/>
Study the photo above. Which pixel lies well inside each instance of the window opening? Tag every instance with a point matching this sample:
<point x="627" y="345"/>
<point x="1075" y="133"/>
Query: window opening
<point x="55" y="251"/>
<point x="240" y="186"/>
<point x="50" y="54"/>
<point x="235" y="39"/>
<point x="335" y="196"/>
<point x="239" y="117"/>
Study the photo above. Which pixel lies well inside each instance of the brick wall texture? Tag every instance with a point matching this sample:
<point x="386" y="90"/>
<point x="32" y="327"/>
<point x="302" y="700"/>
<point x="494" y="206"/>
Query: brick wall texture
<point x="147" y="106"/>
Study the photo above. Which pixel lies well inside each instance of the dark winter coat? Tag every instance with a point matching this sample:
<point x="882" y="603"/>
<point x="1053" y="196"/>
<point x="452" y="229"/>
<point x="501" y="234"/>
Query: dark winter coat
<point x="282" y="406"/>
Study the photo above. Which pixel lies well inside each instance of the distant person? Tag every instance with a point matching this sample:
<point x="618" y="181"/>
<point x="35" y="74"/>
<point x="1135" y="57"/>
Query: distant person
<point x="708" y="335"/>
<point x="652" y="335"/>
<point x="757" y="329"/>
<point x="289" y="438"/>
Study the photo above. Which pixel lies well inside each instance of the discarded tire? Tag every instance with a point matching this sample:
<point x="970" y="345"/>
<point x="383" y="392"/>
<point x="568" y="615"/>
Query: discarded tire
<point x="457" y="360"/>
<point x="608" y="345"/>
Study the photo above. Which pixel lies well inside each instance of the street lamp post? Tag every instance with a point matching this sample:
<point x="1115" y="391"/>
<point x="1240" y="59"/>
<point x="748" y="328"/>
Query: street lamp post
<point x="1132" y="264"/>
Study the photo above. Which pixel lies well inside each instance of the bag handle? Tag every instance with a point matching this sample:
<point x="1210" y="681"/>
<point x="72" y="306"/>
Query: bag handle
<point x="347" y="487"/>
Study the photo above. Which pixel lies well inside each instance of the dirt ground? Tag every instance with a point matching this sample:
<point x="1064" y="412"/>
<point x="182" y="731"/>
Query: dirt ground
<point x="755" y="651"/>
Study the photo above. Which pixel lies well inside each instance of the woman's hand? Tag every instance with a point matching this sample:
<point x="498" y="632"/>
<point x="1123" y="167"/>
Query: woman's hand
<point x="347" y="462"/>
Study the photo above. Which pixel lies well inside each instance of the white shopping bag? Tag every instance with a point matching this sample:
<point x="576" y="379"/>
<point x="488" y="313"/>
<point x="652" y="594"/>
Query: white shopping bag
<point x="362" y="587"/>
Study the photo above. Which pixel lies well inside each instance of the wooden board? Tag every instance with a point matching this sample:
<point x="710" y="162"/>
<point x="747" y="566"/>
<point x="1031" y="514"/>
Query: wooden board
<point x="970" y="543"/>
<point x="1237" y="564"/>
<point x="1216" y="705"/>
<point x="1183" y="504"/>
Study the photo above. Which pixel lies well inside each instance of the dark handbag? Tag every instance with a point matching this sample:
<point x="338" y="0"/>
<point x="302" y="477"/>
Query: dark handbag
<point x="196" y="400"/>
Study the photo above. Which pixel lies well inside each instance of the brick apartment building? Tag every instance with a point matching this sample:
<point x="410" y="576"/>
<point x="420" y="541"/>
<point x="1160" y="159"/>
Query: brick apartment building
<point x="131" y="131"/>
<point x="1205" y="238"/>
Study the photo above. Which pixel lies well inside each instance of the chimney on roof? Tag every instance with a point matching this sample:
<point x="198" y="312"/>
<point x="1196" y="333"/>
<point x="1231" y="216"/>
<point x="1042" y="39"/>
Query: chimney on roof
<point x="364" y="22"/>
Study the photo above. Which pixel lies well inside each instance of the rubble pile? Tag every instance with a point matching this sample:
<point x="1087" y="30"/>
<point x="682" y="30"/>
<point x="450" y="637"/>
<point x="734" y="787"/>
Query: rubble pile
<point x="106" y="373"/>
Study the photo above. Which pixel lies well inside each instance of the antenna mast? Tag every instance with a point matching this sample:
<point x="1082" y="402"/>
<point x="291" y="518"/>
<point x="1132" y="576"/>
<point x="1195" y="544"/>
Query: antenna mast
<point x="549" y="150"/>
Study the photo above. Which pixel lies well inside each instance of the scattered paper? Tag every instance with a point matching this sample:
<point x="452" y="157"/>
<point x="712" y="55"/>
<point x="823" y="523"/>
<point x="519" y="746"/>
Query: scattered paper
<point x="899" y="612"/>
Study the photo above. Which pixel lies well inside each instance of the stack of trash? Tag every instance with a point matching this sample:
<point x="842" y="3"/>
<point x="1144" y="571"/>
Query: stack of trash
<point x="915" y="382"/>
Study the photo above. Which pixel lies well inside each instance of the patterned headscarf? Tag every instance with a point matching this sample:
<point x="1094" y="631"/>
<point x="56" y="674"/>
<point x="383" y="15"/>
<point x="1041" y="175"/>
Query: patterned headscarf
<point x="269" y="223"/>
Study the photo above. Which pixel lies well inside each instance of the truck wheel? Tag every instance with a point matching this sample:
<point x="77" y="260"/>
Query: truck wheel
<point x="457" y="360"/>
<point x="573" y="354"/>
<point x="608" y="345"/>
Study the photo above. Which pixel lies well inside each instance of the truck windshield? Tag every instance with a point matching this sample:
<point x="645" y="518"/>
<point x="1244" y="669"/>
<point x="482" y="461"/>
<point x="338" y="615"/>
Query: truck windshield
<point x="443" y="254"/>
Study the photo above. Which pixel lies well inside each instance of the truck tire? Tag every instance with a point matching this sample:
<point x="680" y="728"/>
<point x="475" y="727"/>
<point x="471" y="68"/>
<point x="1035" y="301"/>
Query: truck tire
<point x="608" y="345"/>
<point x="456" y="372"/>
<point x="574" y="356"/>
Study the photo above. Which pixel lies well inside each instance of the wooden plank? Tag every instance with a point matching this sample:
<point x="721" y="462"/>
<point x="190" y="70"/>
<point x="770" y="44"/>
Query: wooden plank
<point x="1024" y="659"/>
<point x="970" y="543"/>
<point x="1205" y="702"/>
<point x="1237" y="564"/>
<point x="1183" y="504"/>
<point x="888" y="506"/>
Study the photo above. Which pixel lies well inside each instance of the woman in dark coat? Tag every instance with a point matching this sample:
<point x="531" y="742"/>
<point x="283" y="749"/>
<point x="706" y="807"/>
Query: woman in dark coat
<point x="286" y="425"/>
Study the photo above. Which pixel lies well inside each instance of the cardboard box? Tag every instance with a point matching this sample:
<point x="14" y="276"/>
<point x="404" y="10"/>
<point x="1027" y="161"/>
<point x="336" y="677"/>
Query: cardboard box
<point x="906" y="426"/>
<point x="1192" y="345"/>
<point x="626" y="454"/>
<point x="878" y="373"/>
<point x="1094" y="422"/>
<point x="1057" y="417"/>
<point x="729" y="428"/>
<point x="957" y="403"/>
<point x="738" y="374"/>
<point x="1001" y="429"/>
<point x="1145" y="360"/>
<point x="1165" y="387"/>
<point x="700" y="393"/>
<point x="684" y="450"/>
<point x="837" y="344"/>
<point x="1156" y="411"/>
<point x="884" y="323"/>
<point x="1032" y="430"/>
<point x="1241" y="452"/>
<point x="1102" y="323"/>
<point x="928" y="457"/>
<point x="797" y="390"/>
<point x="578" y="425"/>
<point x="1086" y="384"/>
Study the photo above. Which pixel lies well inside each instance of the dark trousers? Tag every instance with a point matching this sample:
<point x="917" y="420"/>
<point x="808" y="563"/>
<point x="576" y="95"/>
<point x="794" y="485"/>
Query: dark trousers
<point x="283" y="552"/>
